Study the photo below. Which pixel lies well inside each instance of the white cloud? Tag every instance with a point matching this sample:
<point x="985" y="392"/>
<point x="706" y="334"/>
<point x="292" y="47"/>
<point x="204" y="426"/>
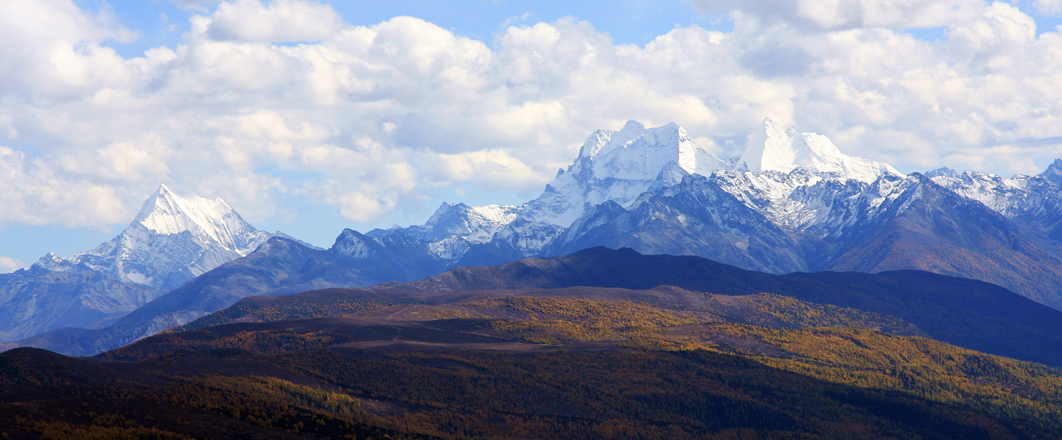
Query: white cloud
<point x="1048" y="7"/>
<point x="279" y="21"/>
<point x="51" y="50"/>
<point x="848" y="14"/>
<point x="370" y="119"/>
<point x="195" y="5"/>
<point x="34" y="193"/>
<point x="9" y="264"/>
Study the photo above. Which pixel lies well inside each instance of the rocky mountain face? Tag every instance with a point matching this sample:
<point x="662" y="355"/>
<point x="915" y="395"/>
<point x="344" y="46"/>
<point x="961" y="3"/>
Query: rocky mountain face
<point x="37" y="300"/>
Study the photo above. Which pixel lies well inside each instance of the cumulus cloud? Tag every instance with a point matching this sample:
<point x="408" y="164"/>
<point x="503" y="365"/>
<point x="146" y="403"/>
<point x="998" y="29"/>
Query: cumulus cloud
<point x="51" y="50"/>
<point x="279" y="21"/>
<point x="1048" y="7"/>
<point x="848" y="14"/>
<point x="368" y="119"/>
<point x="35" y="193"/>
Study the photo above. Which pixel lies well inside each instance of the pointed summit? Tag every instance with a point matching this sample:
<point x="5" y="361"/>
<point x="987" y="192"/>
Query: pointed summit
<point x="775" y="147"/>
<point x="171" y="240"/>
<point x="1054" y="172"/>
<point x="167" y="213"/>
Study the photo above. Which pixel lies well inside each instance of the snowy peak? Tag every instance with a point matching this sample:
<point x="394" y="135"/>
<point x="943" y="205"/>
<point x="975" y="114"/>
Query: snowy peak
<point x="476" y="224"/>
<point x="1053" y="173"/>
<point x="638" y="153"/>
<point x="167" y="213"/>
<point x="475" y="215"/>
<point x="171" y="240"/>
<point x="451" y="230"/>
<point x="775" y="147"/>
<point x="619" y="165"/>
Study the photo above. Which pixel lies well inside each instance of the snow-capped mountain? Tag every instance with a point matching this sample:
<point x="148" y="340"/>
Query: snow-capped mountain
<point x="1032" y="202"/>
<point x="612" y="165"/>
<point x="792" y="202"/>
<point x="475" y="224"/>
<point x="778" y="148"/>
<point x="172" y="240"/>
<point x="619" y="165"/>
<point x="622" y="165"/>
<point x="1012" y="197"/>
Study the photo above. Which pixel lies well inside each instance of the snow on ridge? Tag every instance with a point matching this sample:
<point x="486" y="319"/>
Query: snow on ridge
<point x="1007" y="196"/>
<point x="779" y="167"/>
<point x="503" y="214"/>
<point x="475" y="224"/>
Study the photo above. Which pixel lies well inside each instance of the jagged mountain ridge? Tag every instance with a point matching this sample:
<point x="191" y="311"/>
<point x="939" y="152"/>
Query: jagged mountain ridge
<point x="774" y="221"/>
<point x="280" y="266"/>
<point x="620" y="166"/>
<point x="612" y="165"/>
<point x="792" y="202"/>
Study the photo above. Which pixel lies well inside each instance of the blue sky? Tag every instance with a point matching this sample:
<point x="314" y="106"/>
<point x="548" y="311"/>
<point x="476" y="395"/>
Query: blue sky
<point x="309" y="117"/>
<point x="161" y="23"/>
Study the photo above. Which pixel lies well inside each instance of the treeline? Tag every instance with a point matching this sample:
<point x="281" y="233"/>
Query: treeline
<point x="682" y="394"/>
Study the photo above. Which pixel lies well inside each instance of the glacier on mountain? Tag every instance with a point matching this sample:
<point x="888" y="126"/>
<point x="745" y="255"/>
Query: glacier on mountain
<point x="171" y="240"/>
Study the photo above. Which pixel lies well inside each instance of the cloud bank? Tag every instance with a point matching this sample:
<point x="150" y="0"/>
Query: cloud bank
<point x="284" y="98"/>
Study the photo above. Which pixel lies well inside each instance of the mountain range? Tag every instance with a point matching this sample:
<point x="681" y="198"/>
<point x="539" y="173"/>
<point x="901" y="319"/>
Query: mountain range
<point x="792" y="202"/>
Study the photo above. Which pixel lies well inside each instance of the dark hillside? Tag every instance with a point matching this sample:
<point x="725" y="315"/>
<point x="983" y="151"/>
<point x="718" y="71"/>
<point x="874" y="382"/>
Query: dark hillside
<point x="968" y="313"/>
<point x="568" y="363"/>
